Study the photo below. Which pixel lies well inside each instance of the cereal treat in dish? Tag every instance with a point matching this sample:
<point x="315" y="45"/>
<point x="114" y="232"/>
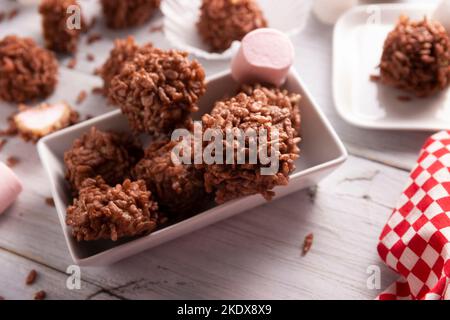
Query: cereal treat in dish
<point x="107" y="154"/>
<point x="58" y="35"/>
<point x="281" y="98"/>
<point x="257" y="112"/>
<point x="104" y="212"/>
<point x="33" y="123"/>
<point x="129" y="13"/>
<point x="224" y="21"/>
<point x="178" y="188"/>
<point x="158" y="90"/>
<point x="416" y="57"/>
<point x="124" y="50"/>
<point x="27" y="71"/>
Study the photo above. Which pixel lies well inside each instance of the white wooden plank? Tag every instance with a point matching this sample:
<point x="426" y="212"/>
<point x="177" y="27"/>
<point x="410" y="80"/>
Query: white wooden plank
<point x="15" y="269"/>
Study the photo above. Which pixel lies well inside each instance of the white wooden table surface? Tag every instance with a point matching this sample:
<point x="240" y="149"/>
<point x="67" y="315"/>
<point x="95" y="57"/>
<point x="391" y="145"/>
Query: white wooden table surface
<point x="256" y="254"/>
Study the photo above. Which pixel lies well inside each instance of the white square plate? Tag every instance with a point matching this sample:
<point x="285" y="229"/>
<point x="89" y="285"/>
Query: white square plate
<point x="357" y="49"/>
<point x="322" y="152"/>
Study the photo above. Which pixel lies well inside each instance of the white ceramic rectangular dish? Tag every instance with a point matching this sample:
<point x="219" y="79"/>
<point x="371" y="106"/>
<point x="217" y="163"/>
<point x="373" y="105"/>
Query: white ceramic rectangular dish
<point x="322" y="152"/>
<point x="358" y="43"/>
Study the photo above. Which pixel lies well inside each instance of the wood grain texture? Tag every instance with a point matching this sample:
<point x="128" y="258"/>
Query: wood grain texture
<point x="256" y="254"/>
<point x="14" y="271"/>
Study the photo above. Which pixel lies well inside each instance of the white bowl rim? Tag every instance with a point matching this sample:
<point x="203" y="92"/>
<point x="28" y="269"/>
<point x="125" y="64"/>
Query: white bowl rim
<point x="91" y="260"/>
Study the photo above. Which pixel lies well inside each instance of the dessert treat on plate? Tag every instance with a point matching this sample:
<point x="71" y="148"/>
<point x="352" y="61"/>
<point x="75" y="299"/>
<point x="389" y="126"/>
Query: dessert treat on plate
<point x="27" y="71"/>
<point x="123" y="51"/>
<point x="129" y="13"/>
<point x="10" y="187"/>
<point x="107" y="154"/>
<point x="158" y="90"/>
<point x="104" y="212"/>
<point x="178" y="188"/>
<point x="265" y="56"/>
<point x="59" y="34"/>
<point x="224" y="21"/>
<point x="416" y="57"/>
<point x="33" y="123"/>
<point x="251" y="111"/>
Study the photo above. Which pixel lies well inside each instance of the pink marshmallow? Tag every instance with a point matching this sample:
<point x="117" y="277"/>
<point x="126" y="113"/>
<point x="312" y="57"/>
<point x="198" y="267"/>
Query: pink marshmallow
<point x="10" y="187"/>
<point x="265" y="55"/>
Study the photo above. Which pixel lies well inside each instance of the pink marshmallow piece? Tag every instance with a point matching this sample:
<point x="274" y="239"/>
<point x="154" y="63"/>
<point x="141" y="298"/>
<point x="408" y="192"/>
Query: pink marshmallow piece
<point x="10" y="187"/>
<point x="265" y="55"/>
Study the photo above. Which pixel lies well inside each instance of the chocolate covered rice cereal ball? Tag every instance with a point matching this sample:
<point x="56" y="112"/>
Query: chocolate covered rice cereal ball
<point x="104" y="212"/>
<point x="158" y="90"/>
<point x="129" y="13"/>
<point x="224" y="21"/>
<point x="124" y="50"/>
<point x="416" y="57"/>
<point x="107" y="154"/>
<point x="57" y="34"/>
<point x="281" y="98"/>
<point x="179" y="188"/>
<point x="257" y="112"/>
<point x="27" y="71"/>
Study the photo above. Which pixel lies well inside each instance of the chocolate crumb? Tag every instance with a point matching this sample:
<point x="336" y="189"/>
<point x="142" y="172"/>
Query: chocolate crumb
<point x="12" y="161"/>
<point x="81" y="97"/>
<point x="2" y="143"/>
<point x="307" y="243"/>
<point x="312" y="193"/>
<point x="31" y="278"/>
<point x="157" y="28"/>
<point x="50" y="202"/>
<point x="88" y="117"/>
<point x="13" y="13"/>
<point x="97" y="90"/>
<point x="40" y="295"/>
<point x="404" y="98"/>
<point x="93" y="37"/>
<point x="90" y="57"/>
<point x="72" y="63"/>
<point x="375" y="78"/>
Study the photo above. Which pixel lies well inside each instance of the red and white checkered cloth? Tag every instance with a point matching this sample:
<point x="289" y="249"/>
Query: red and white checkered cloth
<point x="416" y="239"/>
